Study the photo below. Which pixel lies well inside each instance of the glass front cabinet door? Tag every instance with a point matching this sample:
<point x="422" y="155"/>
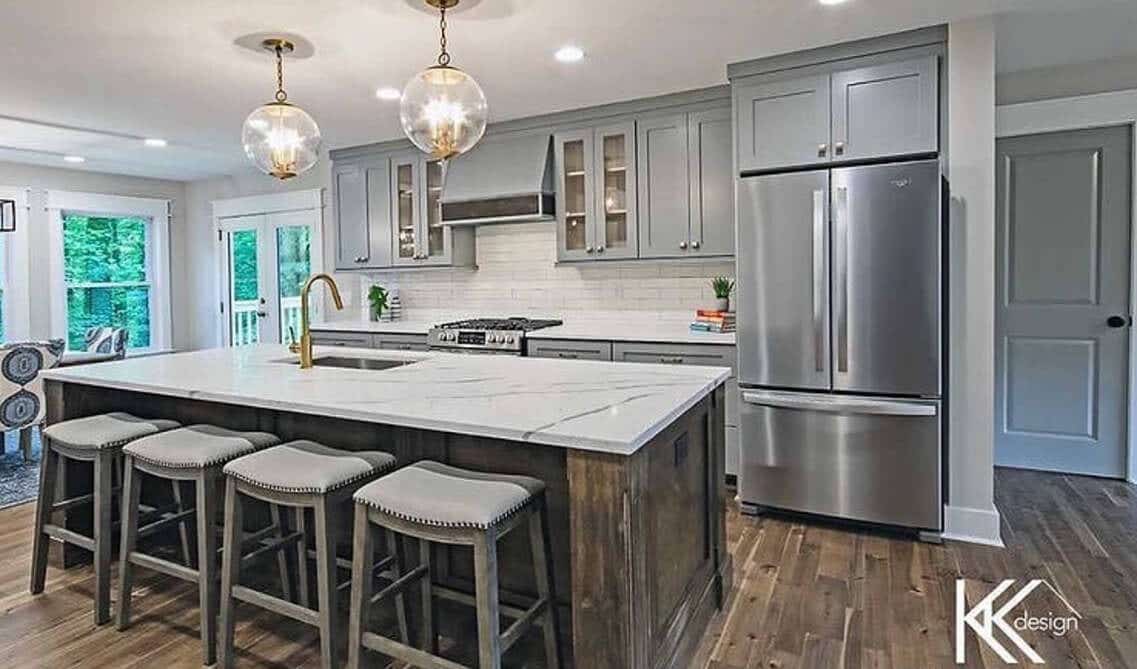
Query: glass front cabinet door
<point x="435" y="246"/>
<point x="575" y="204"/>
<point x="615" y="220"/>
<point x="416" y="191"/>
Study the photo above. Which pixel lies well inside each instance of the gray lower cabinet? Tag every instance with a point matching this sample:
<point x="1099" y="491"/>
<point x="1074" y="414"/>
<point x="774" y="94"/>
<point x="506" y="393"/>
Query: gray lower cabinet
<point x="337" y="338"/>
<point x="361" y="214"/>
<point x="569" y="349"/>
<point x="399" y="342"/>
<point x="886" y="110"/>
<point x="782" y="123"/>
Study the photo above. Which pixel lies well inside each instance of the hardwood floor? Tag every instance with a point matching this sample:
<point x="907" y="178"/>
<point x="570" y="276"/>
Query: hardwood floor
<point x="805" y="595"/>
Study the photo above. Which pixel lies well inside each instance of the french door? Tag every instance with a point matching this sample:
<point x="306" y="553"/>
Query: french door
<point x="267" y="259"/>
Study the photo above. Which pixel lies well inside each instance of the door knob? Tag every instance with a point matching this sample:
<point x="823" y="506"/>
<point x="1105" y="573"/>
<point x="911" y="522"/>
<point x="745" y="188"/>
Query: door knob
<point x="1118" y="321"/>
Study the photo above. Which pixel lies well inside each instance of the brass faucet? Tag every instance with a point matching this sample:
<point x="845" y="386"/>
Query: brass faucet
<point x="304" y="347"/>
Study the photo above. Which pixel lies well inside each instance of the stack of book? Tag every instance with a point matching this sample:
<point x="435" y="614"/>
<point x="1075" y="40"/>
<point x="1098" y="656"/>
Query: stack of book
<point x="709" y="320"/>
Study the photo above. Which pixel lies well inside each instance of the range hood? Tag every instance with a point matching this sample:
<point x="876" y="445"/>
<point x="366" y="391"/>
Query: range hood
<point x="502" y="181"/>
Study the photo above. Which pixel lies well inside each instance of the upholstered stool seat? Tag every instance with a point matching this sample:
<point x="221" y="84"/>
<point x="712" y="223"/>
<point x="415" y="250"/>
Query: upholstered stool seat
<point x="433" y="502"/>
<point x="108" y="430"/>
<point x="432" y="493"/>
<point x="96" y="439"/>
<point x="195" y="454"/>
<point x="197" y="446"/>
<point x="304" y="475"/>
<point x="308" y="467"/>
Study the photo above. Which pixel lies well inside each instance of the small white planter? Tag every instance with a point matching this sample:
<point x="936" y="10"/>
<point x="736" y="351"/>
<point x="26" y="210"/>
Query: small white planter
<point x="722" y="303"/>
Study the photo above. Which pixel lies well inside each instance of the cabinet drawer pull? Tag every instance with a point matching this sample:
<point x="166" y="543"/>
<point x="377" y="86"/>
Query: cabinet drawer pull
<point x="671" y="360"/>
<point x="570" y="356"/>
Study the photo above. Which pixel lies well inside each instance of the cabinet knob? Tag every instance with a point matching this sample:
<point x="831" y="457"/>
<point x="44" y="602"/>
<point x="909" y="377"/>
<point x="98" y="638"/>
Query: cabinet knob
<point x="683" y="245"/>
<point x="588" y="249"/>
<point x="694" y="245"/>
<point x="600" y="249"/>
<point x="822" y="150"/>
<point x="839" y="147"/>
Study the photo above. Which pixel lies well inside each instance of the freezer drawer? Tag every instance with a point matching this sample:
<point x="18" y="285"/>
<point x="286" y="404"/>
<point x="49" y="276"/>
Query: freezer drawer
<point x="868" y="459"/>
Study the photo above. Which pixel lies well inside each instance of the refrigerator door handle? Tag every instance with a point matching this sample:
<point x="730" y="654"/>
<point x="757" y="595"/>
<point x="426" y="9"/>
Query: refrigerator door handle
<point x="819" y="286"/>
<point x="838" y="404"/>
<point x="841" y="269"/>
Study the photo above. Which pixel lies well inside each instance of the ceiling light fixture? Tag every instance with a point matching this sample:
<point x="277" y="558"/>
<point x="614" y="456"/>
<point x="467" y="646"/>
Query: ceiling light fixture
<point x="155" y="142"/>
<point x="443" y="110"/>
<point x="279" y="137"/>
<point x="74" y="159"/>
<point x="388" y="93"/>
<point x="569" y="54"/>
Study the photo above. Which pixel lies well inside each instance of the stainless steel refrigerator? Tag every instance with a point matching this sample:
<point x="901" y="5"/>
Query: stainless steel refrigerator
<point x="840" y="311"/>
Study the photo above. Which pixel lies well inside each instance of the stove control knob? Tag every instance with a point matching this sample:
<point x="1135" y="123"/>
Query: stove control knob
<point x="512" y="340"/>
<point x="493" y="339"/>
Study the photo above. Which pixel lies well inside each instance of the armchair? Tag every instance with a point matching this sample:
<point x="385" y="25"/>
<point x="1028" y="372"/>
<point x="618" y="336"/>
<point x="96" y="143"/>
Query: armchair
<point x="22" y="401"/>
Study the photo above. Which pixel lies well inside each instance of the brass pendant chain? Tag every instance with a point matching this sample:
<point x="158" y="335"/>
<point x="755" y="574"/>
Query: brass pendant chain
<point x="281" y="96"/>
<point x="443" y="57"/>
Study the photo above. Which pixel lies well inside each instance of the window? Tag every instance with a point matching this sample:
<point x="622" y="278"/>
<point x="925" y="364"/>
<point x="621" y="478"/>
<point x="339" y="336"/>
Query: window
<point x="107" y="274"/>
<point x="3" y="283"/>
<point x="110" y="264"/>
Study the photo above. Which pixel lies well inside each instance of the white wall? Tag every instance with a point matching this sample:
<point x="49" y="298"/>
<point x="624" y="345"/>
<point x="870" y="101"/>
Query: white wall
<point x="1066" y="81"/>
<point x="971" y="171"/>
<point x="49" y="178"/>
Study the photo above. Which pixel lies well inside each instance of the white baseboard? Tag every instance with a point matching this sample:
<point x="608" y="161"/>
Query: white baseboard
<point x="975" y="526"/>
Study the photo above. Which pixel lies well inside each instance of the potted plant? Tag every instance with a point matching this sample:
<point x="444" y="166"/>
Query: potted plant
<point x="377" y="296"/>
<point x="723" y="288"/>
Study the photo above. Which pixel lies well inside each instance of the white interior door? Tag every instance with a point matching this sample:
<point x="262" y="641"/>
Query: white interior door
<point x="1062" y="311"/>
<point x="267" y="260"/>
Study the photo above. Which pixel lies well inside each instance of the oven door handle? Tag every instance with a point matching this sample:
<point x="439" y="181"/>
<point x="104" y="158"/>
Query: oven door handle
<point x="846" y="405"/>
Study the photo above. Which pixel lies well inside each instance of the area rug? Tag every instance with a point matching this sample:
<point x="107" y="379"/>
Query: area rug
<point x="19" y="480"/>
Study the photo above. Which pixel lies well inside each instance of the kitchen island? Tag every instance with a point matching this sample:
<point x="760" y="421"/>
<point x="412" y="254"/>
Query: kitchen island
<point x="631" y="455"/>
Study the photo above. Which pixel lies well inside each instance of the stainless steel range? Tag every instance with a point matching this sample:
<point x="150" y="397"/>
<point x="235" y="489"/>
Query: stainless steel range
<point x="500" y="336"/>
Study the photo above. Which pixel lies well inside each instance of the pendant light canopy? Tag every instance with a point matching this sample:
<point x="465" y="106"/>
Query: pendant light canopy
<point x="279" y="137"/>
<point x="443" y="110"/>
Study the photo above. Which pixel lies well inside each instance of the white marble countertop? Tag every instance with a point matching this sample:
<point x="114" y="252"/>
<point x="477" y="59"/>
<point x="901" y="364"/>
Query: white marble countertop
<point x="656" y="327"/>
<point x="598" y="406"/>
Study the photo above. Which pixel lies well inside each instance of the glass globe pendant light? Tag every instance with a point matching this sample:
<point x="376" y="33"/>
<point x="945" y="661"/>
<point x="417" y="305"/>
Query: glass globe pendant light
<point x="443" y="110"/>
<point x="279" y="137"/>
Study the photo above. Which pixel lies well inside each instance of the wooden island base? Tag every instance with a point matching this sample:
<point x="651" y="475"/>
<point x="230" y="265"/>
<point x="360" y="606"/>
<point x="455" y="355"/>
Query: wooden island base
<point x="638" y="540"/>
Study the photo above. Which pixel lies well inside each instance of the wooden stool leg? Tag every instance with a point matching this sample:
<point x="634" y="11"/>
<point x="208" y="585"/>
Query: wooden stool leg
<point x="395" y="550"/>
<point x="428" y="640"/>
<point x="131" y="493"/>
<point x="485" y="581"/>
<point x="207" y="561"/>
<point x="326" y="583"/>
<point x="230" y="573"/>
<point x="281" y="555"/>
<point x="183" y="525"/>
<point x="49" y="464"/>
<point x="546" y="588"/>
<point x="26" y="442"/>
<point x="302" y="557"/>
<point x="362" y="561"/>
<point x="104" y="466"/>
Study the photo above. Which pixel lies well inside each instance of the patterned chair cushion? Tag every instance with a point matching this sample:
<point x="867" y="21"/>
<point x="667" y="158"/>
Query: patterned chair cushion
<point x="22" y="402"/>
<point x="431" y="493"/>
<point x="307" y="467"/>
<point x="198" y="446"/>
<point x="107" y="340"/>
<point x="108" y="430"/>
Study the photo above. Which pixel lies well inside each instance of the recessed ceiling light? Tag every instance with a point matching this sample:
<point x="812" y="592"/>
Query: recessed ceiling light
<point x="74" y="159"/>
<point x="569" y="54"/>
<point x="388" y="93"/>
<point x="155" y="142"/>
<point x="832" y="2"/>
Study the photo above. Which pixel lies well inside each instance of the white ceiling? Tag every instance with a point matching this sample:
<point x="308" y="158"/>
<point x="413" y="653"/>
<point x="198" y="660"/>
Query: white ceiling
<point x="101" y="75"/>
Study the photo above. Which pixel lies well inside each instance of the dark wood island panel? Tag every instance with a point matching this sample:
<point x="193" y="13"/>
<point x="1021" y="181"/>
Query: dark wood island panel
<point x="638" y="540"/>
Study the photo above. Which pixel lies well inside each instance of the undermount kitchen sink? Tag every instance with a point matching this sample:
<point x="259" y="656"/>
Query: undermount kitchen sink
<point x="373" y="364"/>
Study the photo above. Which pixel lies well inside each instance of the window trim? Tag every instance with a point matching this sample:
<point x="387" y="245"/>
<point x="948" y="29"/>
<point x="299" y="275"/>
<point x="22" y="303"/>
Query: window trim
<point x="17" y="300"/>
<point x="158" y="260"/>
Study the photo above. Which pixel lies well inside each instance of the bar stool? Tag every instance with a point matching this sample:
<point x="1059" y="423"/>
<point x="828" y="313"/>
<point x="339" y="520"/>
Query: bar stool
<point x="196" y="454"/>
<point x="97" y="439"/>
<point x="303" y="475"/>
<point x="431" y="501"/>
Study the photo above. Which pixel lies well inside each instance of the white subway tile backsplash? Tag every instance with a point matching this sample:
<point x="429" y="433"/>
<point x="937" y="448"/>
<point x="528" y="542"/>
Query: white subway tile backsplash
<point x="517" y="270"/>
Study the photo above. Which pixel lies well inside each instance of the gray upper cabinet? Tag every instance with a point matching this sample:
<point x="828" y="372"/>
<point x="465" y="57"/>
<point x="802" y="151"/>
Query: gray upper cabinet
<point x="576" y="205"/>
<point x="362" y="208"/>
<point x="664" y="186"/>
<point x="886" y="110"/>
<point x="712" y="182"/>
<point x="406" y="203"/>
<point x="782" y="123"/>
<point x="596" y="193"/>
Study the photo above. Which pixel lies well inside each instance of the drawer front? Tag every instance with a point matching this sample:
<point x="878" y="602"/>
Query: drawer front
<point x="357" y="340"/>
<point x="570" y="349"/>
<point x="400" y="342"/>
<point x="677" y="354"/>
